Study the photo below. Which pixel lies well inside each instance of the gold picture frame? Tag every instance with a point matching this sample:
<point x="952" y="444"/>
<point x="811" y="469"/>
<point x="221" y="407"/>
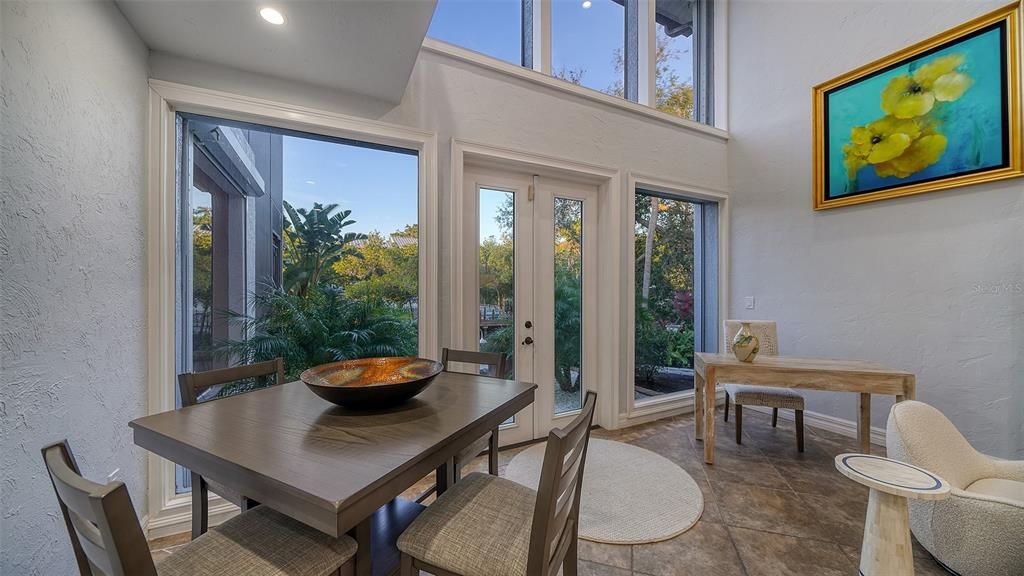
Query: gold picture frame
<point x="922" y="119"/>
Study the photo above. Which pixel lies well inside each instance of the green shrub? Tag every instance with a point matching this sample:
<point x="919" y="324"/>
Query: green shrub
<point x="324" y="326"/>
<point x="652" y="346"/>
<point x="680" y="349"/>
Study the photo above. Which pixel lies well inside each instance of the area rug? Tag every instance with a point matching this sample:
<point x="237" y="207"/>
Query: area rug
<point x="630" y="495"/>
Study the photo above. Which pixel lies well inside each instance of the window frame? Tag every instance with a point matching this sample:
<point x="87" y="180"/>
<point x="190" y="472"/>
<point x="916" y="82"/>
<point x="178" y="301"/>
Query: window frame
<point x="169" y="512"/>
<point x="712" y="227"/>
<point x="639" y="47"/>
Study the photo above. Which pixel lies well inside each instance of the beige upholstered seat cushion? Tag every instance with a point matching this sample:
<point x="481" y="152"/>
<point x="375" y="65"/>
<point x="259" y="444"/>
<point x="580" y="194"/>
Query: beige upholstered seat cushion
<point x="260" y="542"/>
<point x="1000" y="488"/>
<point x="765" y="396"/>
<point x="480" y="527"/>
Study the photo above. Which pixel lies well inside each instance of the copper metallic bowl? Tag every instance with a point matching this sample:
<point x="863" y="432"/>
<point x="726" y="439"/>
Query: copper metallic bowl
<point x="370" y="383"/>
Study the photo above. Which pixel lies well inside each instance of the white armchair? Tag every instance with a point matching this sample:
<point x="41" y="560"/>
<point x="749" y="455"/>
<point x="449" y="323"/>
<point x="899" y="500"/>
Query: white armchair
<point x="979" y="529"/>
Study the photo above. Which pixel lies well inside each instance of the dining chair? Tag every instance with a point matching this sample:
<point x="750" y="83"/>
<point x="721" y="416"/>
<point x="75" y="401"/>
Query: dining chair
<point x="107" y="539"/>
<point x="496" y="367"/>
<point x="491" y="526"/>
<point x="768" y="396"/>
<point x="198" y="387"/>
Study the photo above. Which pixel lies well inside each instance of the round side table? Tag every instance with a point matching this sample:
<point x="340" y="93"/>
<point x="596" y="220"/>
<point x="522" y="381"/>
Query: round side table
<point x="886" y="550"/>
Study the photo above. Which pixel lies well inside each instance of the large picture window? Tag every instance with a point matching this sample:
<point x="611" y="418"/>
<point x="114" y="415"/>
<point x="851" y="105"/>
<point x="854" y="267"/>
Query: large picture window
<point x="675" y="283"/>
<point x="292" y="245"/>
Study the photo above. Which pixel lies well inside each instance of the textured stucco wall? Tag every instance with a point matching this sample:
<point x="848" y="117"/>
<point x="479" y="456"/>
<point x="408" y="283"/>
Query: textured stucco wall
<point x="72" y="255"/>
<point x="933" y="284"/>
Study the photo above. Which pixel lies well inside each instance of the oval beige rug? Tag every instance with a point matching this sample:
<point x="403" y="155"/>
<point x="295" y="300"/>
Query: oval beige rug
<point x="630" y="495"/>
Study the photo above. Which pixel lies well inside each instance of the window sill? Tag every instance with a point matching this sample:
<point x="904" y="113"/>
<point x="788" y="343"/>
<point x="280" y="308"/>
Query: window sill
<point x="453" y="52"/>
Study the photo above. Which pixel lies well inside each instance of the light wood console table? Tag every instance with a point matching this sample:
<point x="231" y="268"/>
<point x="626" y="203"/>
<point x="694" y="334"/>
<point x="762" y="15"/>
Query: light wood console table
<point x="864" y="378"/>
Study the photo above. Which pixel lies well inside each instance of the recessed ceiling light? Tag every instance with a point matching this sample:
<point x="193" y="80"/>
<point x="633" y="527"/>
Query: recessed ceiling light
<point x="587" y="4"/>
<point x="272" y="16"/>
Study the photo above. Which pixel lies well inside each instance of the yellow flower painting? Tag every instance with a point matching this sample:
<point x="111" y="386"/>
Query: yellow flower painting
<point x="909" y="138"/>
<point x="938" y="112"/>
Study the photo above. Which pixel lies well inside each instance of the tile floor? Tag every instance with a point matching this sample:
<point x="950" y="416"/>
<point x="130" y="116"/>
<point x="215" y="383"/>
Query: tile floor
<point x="768" y="510"/>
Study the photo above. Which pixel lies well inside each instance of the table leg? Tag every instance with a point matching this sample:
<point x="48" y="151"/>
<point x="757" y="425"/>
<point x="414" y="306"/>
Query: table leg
<point x="910" y="387"/>
<point x="864" y="424"/>
<point x="698" y="406"/>
<point x="200" y="506"/>
<point x="886" y="548"/>
<point x="362" y="534"/>
<point x="445" y="476"/>
<point x="709" y="415"/>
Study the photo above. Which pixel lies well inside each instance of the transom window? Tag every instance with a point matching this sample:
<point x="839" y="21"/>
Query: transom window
<point x="654" y="52"/>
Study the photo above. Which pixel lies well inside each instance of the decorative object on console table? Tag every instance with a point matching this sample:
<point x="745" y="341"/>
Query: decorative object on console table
<point x="745" y="345"/>
<point x="942" y="113"/>
<point x="886" y="549"/>
<point x="371" y="383"/>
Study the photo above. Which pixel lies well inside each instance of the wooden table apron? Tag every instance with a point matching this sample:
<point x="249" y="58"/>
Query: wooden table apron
<point x="325" y="466"/>
<point x="864" y="378"/>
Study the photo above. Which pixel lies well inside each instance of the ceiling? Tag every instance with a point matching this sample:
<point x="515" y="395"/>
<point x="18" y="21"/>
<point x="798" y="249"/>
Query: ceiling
<point x="363" y="46"/>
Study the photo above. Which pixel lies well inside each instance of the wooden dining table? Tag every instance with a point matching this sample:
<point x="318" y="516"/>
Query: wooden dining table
<point x="860" y="377"/>
<point x="337" y="470"/>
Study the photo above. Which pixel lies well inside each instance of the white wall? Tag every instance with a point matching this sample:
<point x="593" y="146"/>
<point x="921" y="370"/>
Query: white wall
<point x="457" y="99"/>
<point x="933" y="284"/>
<point x="72" y="311"/>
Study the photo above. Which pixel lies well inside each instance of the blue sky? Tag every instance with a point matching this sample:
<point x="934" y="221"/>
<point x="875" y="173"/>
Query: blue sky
<point x="582" y="38"/>
<point x="380" y="188"/>
<point x="490" y="201"/>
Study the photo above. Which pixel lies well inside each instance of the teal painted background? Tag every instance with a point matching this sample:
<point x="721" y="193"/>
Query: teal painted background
<point x="973" y="124"/>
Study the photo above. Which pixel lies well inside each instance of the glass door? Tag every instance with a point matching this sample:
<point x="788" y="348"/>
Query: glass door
<point x="529" y="288"/>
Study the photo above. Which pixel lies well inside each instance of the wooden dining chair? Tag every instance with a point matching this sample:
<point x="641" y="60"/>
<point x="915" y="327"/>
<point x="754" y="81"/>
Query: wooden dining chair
<point x="490" y="526"/>
<point x="496" y="367"/>
<point x="107" y="539"/>
<point x="198" y="387"/>
<point x="496" y="364"/>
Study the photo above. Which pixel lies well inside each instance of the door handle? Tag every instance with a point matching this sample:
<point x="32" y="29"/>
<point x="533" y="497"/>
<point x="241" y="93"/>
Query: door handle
<point x="528" y="341"/>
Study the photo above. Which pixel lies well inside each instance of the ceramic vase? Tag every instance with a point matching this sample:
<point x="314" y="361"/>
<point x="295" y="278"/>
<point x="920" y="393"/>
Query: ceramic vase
<point x="745" y="344"/>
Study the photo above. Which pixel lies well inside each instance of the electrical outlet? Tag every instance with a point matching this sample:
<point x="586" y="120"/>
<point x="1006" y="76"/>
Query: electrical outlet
<point x="114" y="476"/>
<point x="749" y="301"/>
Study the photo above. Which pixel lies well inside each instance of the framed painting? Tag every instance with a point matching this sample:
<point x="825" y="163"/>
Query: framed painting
<point x="943" y="113"/>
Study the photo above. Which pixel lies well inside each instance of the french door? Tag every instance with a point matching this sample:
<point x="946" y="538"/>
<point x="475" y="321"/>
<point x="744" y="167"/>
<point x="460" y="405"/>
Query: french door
<point x="529" y="276"/>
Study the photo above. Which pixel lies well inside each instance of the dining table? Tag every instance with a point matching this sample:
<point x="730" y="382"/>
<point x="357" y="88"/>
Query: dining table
<point x="338" y="470"/>
<point x="860" y="377"/>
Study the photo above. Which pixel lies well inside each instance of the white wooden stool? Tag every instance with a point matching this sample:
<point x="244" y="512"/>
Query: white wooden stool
<point x="886" y="550"/>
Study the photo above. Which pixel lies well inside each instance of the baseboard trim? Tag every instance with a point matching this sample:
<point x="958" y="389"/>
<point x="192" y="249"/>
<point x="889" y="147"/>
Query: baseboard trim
<point x="841" y="426"/>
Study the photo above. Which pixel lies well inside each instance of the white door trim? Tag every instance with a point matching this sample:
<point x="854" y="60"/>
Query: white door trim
<point x="167" y="511"/>
<point x="609" y="182"/>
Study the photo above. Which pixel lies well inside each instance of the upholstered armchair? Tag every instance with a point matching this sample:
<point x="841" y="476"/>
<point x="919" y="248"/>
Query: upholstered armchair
<point x="979" y="529"/>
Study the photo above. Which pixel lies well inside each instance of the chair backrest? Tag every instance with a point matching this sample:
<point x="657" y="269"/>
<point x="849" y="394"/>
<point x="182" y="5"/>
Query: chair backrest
<point x="764" y="330"/>
<point x="192" y="385"/>
<point x="495" y="361"/>
<point x="919" y="434"/>
<point x="105" y="532"/>
<point x="556" y="514"/>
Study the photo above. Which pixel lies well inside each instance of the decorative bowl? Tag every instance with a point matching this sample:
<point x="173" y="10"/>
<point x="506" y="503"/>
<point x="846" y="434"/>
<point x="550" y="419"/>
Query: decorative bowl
<point x="369" y="383"/>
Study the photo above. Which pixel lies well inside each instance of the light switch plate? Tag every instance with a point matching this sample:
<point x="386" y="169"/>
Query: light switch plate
<point x="749" y="301"/>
